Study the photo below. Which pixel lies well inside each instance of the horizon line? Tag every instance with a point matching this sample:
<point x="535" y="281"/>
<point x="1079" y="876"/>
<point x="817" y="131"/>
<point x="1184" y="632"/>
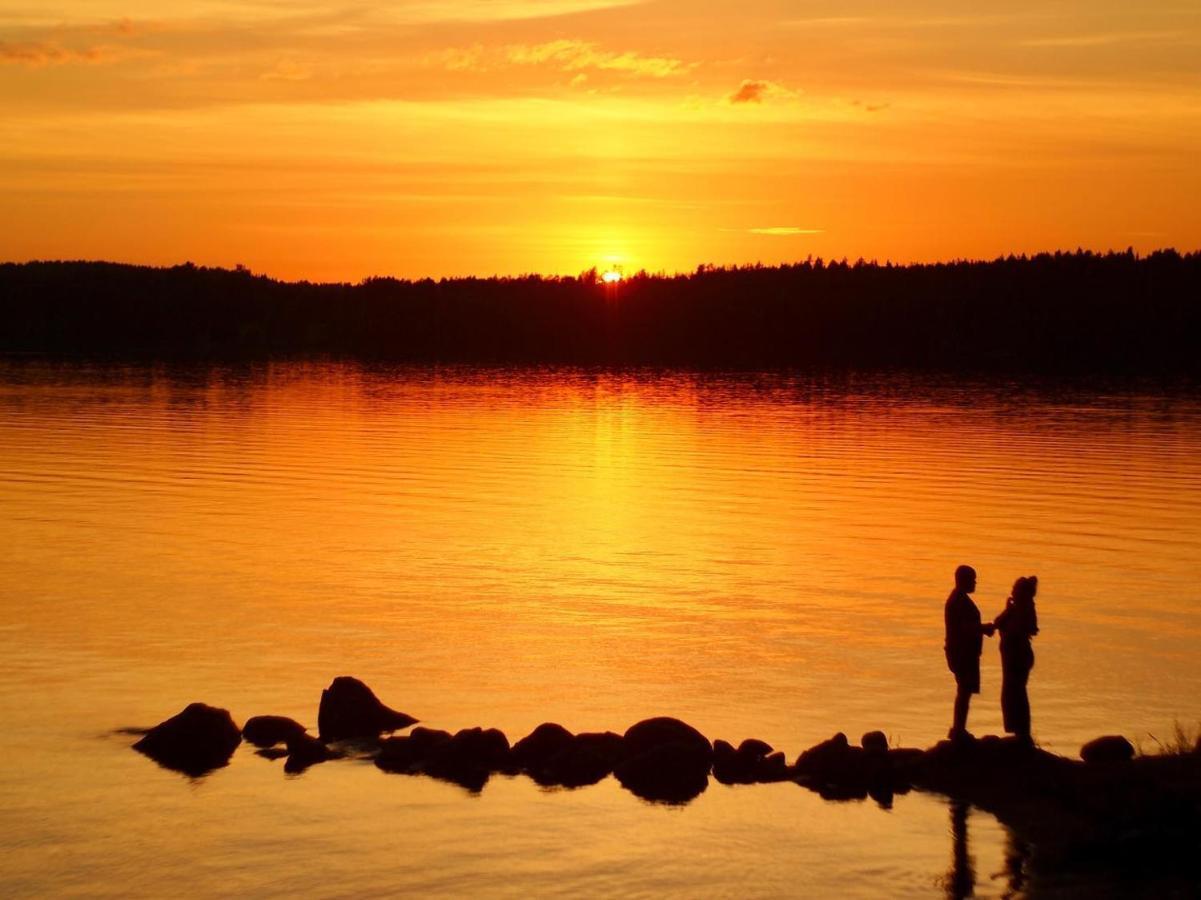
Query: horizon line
<point x="598" y="269"/>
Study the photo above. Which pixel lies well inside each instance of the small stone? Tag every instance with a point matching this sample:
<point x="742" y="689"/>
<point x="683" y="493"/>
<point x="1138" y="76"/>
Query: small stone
<point x="874" y="742"/>
<point x="267" y="731"/>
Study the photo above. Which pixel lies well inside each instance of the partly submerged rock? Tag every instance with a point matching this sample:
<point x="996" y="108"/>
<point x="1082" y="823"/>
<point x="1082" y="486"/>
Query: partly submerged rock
<point x="608" y="745"/>
<point x="1109" y="748"/>
<point x="546" y="741"/>
<point x="667" y="773"/>
<point x="827" y="755"/>
<point x="755" y="747"/>
<point x="665" y="760"/>
<point x="586" y="759"/>
<point x="838" y="771"/>
<point x="408" y="753"/>
<point x="469" y="758"/>
<point x="752" y="763"/>
<point x="267" y="731"/>
<point x="662" y="730"/>
<point x="350" y="709"/>
<point x="196" y="741"/>
<point x="304" y="750"/>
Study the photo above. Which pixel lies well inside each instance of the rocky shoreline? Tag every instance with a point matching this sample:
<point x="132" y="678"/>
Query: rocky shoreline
<point x="1109" y="800"/>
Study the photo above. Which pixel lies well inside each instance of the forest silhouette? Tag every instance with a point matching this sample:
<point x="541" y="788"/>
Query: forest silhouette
<point x="1079" y="311"/>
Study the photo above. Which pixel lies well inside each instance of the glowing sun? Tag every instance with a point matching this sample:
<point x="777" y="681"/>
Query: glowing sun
<point x="611" y="277"/>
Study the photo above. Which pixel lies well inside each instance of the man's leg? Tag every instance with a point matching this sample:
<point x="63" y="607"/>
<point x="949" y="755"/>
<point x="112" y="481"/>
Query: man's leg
<point x="963" y="699"/>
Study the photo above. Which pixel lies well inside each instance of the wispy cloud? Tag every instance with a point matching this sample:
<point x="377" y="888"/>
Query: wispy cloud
<point x="52" y="53"/>
<point x="575" y="55"/>
<point x="785" y="230"/>
<point x="1105" y="39"/>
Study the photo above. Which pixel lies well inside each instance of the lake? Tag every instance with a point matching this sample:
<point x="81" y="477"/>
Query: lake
<point x="761" y="555"/>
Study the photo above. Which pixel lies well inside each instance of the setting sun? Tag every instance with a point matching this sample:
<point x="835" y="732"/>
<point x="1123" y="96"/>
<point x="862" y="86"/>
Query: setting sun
<point x="612" y="276"/>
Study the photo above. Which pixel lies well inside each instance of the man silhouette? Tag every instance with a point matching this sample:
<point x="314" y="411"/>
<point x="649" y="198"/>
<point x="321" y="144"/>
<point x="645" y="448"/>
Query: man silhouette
<point x="965" y="641"/>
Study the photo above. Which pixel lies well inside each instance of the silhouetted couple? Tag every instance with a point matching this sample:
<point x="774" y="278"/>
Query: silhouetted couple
<point x="1018" y="623"/>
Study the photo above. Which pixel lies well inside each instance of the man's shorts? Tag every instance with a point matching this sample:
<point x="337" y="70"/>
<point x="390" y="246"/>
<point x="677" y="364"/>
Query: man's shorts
<point x="967" y="678"/>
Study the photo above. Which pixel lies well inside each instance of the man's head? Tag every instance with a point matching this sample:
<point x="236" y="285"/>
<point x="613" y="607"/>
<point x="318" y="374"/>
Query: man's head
<point x="965" y="579"/>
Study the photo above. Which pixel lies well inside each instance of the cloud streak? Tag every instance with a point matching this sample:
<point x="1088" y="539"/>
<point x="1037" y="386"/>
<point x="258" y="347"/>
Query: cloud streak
<point x="785" y="230"/>
<point x="575" y="55"/>
<point x="50" y="53"/>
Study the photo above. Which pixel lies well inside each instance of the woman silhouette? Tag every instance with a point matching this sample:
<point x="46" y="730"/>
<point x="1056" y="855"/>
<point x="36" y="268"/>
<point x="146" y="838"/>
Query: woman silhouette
<point x="1017" y="624"/>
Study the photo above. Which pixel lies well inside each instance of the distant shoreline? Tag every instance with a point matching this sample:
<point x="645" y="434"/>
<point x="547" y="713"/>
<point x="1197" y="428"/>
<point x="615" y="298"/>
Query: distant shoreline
<point x="1081" y="313"/>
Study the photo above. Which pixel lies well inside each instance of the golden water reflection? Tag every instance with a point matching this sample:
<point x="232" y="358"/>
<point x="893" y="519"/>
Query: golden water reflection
<point x="759" y="555"/>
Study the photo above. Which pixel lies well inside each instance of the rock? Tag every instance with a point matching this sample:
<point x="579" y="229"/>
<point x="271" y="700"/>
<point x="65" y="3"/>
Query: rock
<point x="651" y="733"/>
<point x="469" y="758"/>
<point x="752" y="763"/>
<point x="1110" y="748"/>
<point x="772" y="768"/>
<point x="304" y="750"/>
<point x="196" y="741"/>
<point x="406" y="754"/>
<point x="267" y="731"/>
<point x="536" y="748"/>
<point x="349" y="709"/>
<point x="608" y="745"/>
<point x="667" y="772"/>
<point x="754" y="747"/>
<point x="825" y="754"/>
<point x="839" y="771"/>
<point x="883" y="793"/>
<point x="665" y="760"/>
<point x="874" y="742"/>
<point x="585" y="759"/>
<point x="576" y="766"/>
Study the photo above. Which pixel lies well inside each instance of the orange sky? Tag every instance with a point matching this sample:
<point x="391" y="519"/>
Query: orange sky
<point x="329" y="140"/>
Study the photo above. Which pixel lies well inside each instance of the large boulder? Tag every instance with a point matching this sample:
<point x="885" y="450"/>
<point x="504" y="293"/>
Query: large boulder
<point x="660" y="731"/>
<point x="1109" y="748"/>
<point x="350" y="709"/>
<point x="667" y="773"/>
<point x="665" y="760"/>
<point x="196" y="741"/>
<point x="267" y="731"/>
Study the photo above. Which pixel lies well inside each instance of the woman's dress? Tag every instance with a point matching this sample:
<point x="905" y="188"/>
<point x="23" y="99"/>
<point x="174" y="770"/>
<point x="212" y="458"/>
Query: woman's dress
<point x="1017" y="625"/>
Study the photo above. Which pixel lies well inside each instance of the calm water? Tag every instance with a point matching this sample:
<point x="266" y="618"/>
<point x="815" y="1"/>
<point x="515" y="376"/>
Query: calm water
<point x="761" y="556"/>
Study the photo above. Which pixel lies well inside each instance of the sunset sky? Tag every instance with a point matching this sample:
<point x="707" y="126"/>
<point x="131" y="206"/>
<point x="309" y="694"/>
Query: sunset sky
<point x="329" y="140"/>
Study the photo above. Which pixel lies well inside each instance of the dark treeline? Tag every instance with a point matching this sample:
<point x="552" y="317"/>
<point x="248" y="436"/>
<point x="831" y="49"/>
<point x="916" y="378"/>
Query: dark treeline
<point x="1079" y="311"/>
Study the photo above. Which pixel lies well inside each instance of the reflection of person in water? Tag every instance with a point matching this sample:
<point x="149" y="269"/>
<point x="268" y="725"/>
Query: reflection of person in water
<point x="961" y="879"/>
<point x="964" y="642"/>
<point x="1017" y="624"/>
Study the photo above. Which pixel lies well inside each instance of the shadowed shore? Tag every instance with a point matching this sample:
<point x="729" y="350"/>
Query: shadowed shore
<point x="1109" y="805"/>
<point x="1064" y="312"/>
